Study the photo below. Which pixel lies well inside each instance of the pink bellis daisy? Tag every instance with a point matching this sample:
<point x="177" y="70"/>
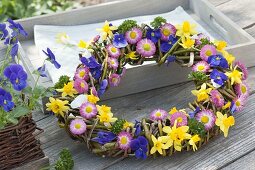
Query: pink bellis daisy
<point x="242" y="89"/>
<point x="166" y="30"/>
<point x="145" y="47"/>
<point x="82" y="73"/>
<point x="88" y="110"/>
<point x="216" y="98"/>
<point x="207" y="51"/>
<point x="77" y="126"/>
<point x="180" y="117"/>
<point x="113" y="63"/>
<point x="201" y="66"/>
<point x="243" y="69"/>
<point x="114" y="80"/>
<point x="206" y="117"/>
<point x="240" y="102"/>
<point x="80" y="86"/>
<point x="124" y="140"/>
<point x="113" y="51"/>
<point x="158" y="114"/>
<point x="134" y="35"/>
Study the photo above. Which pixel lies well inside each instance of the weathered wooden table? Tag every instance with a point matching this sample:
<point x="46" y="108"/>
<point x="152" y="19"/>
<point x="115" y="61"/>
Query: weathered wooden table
<point x="235" y="152"/>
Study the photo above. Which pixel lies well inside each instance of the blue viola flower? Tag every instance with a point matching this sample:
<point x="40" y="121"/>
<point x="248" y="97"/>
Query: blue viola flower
<point x="11" y="41"/>
<point x="104" y="137"/>
<point x="17" y="76"/>
<point x="192" y="114"/>
<point x="153" y="35"/>
<point x="14" y="50"/>
<point x="170" y="59"/>
<point x="17" y="28"/>
<point x="138" y="128"/>
<point x="51" y="58"/>
<point x="217" y="61"/>
<point x="6" y="100"/>
<point x="102" y="88"/>
<point x="218" y="77"/>
<point x="139" y="146"/>
<point x="167" y="45"/>
<point x="42" y="71"/>
<point x="93" y="65"/>
<point x="3" y="31"/>
<point x="119" y="41"/>
<point x="233" y="107"/>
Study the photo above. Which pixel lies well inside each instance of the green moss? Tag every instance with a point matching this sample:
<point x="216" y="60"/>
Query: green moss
<point x="127" y="25"/>
<point x="198" y="76"/>
<point x="196" y="127"/>
<point x="65" y="161"/>
<point x="117" y="127"/>
<point x="157" y="22"/>
<point x="61" y="82"/>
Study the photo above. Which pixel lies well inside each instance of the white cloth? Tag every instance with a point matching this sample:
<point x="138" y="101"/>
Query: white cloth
<point x="68" y="57"/>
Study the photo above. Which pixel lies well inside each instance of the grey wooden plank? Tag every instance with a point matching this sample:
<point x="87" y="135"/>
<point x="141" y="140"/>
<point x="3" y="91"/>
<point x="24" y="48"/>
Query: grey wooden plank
<point x="218" y="2"/>
<point x="35" y="165"/>
<point x="251" y="30"/>
<point x="247" y="162"/>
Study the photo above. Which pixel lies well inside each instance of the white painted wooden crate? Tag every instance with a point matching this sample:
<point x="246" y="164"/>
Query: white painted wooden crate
<point x="149" y="76"/>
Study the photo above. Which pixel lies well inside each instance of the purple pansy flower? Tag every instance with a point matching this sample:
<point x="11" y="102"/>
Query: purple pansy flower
<point x="218" y="78"/>
<point x="167" y="45"/>
<point x="104" y="137"/>
<point x="103" y="86"/>
<point x="217" y="61"/>
<point x="119" y="41"/>
<point x="42" y="71"/>
<point x="6" y="100"/>
<point x="3" y="31"/>
<point x="17" y="76"/>
<point x="93" y="65"/>
<point x="17" y="28"/>
<point x="51" y="58"/>
<point x="153" y="35"/>
<point x="139" y="146"/>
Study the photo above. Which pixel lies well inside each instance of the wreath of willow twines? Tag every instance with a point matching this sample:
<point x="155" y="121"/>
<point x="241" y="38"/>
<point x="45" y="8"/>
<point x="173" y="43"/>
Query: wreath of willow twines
<point x="220" y="90"/>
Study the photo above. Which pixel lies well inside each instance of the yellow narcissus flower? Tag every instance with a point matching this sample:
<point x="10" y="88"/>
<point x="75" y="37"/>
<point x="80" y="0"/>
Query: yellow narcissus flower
<point x="220" y="45"/>
<point x="93" y="99"/>
<point x="83" y="44"/>
<point x="235" y="76"/>
<point x="227" y="105"/>
<point x="193" y="140"/>
<point x="127" y="125"/>
<point x="202" y="94"/>
<point x="68" y="90"/>
<point x="176" y="135"/>
<point x="62" y="38"/>
<point x="173" y="110"/>
<point x="229" y="57"/>
<point x="159" y="144"/>
<point x="103" y="109"/>
<point x="187" y="42"/>
<point x="57" y="106"/>
<point x="105" y="117"/>
<point x="132" y="55"/>
<point x="106" y="30"/>
<point x="185" y="29"/>
<point x="224" y="122"/>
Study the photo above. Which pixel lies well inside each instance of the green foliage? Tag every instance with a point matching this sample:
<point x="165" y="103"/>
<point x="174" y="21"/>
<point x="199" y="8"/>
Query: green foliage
<point x="198" y="76"/>
<point x="204" y="41"/>
<point x="17" y="9"/>
<point x="61" y="82"/>
<point x="65" y="161"/>
<point x="157" y="22"/>
<point x="117" y="127"/>
<point x="127" y="25"/>
<point x="196" y="127"/>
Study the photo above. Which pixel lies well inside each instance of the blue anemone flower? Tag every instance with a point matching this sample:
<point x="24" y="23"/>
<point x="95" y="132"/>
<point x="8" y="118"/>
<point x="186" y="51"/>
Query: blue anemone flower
<point x="51" y="58"/>
<point x="93" y="65"/>
<point x="102" y="88"/>
<point x="119" y="41"/>
<point x="167" y="45"/>
<point x="104" y="137"/>
<point x="17" y="76"/>
<point x="42" y="71"/>
<point x="138" y="128"/>
<point x="192" y="114"/>
<point x="217" y="61"/>
<point x="139" y="146"/>
<point x="218" y="77"/>
<point x="233" y="107"/>
<point x="6" y="100"/>
<point x="153" y="35"/>
<point x="17" y="28"/>
<point x="3" y="31"/>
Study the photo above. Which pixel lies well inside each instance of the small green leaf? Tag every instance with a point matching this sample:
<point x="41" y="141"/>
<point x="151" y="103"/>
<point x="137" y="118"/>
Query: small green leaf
<point x="19" y="111"/>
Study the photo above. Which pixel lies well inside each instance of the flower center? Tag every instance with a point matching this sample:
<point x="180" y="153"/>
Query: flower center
<point x="218" y="77"/>
<point x="88" y="109"/>
<point x="113" y="49"/>
<point x="238" y="103"/>
<point x="186" y="27"/>
<point x="179" y="119"/>
<point x="5" y="102"/>
<point x="204" y="119"/>
<point x="77" y="126"/>
<point x="56" y="107"/>
<point x="112" y="62"/>
<point x="243" y="89"/>
<point x="208" y="53"/>
<point x="217" y="58"/>
<point x="17" y="81"/>
<point x="147" y="47"/>
<point x="166" y="32"/>
<point x="228" y="122"/>
<point x="158" y="145"/>
<point x="82" y="85"/>
<point x="114" y="80"/>
<point x="82" y="73"/>
<point x="201" y="67"/>
<point x="158" y="114"/>
<point x="152" y="34"/>
<point x="123" y="140"/>
<point x="132" y="34"/>
<point x="106" y="28"/>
